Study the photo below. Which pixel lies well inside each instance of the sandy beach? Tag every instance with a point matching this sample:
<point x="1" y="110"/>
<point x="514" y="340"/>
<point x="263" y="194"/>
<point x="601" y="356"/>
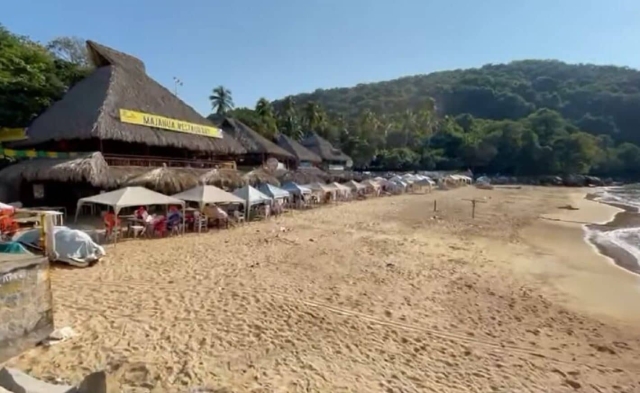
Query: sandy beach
<point x="383" y="295"/>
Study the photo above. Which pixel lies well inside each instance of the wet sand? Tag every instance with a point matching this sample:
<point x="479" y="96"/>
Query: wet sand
<point x="383" y="295"/>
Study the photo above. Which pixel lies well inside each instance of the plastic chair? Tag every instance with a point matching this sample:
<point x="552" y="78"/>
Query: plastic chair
<point x="160" y="227"/>
<point x="238" y="217"/>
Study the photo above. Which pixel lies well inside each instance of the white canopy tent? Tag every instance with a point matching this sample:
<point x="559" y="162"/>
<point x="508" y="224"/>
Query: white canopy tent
<point x="206" y="195"/>
<point x="251" y="196"/>
<point x="341" y="190"/>
<point x="354" y="185"/>
<point x="319" y="187"/>
<point x="371" y="184"/>
<point x="131" y="196"/>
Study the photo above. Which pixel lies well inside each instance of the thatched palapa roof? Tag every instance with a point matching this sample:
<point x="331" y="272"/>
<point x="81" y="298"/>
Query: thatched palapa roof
<point x="304" y="175"/>
<point x="253" y="142"/>
<point x="91" y="109"/>
<point x="166" y="180"/>
<point x="90" y="168"/>
<point x="261" y="176"/>
<point x="224" y="178"/>
<point x="295" y="148"/>
<point x="324" y="149"/>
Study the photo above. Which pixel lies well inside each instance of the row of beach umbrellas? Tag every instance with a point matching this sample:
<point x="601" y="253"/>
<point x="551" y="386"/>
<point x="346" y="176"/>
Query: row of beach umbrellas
<point x="247" y="195"/>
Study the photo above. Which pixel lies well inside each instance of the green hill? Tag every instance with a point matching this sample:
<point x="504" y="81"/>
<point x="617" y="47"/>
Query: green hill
<point x="527" y="117"/>
<point x="597" y="99"/>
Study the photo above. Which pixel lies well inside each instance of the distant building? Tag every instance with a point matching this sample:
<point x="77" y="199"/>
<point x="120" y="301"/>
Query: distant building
<point x="333" y="160"/>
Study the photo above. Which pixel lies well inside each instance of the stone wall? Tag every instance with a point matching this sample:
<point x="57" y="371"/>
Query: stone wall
<point x="26" y="306"/>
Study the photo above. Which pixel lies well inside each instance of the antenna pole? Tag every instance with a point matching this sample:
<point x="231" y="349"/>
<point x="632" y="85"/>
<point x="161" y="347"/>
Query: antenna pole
<point x="176" y="82"/>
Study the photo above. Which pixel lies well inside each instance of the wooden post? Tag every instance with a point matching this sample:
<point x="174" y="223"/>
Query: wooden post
<point x="435" y="205"/>
<point x="473" y="206"/>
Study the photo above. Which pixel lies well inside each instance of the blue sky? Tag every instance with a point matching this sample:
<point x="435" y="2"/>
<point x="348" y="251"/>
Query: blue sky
<point x="272" y="48"/>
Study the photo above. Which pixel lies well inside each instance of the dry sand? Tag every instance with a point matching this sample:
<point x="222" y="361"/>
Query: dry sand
<point x="376" y="296"/>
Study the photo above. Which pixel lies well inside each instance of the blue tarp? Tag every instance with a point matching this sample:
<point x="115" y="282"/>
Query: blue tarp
<point x="295" y="188"/>
<point x="13" y="248"/>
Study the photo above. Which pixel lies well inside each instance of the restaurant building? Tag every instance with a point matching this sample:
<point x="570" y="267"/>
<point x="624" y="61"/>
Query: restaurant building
<point x="120" y="123"/>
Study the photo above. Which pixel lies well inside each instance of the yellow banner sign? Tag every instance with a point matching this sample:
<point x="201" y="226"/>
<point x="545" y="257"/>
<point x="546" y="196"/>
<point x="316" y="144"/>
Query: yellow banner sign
<point x="165" y="123"/>
<point x="12" y="134"/>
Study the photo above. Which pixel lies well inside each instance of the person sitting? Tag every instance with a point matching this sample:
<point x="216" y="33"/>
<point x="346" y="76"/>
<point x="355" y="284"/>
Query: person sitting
<point x="219" y="216"/>
<point x="110" y="223"/>
<point x="142" y="214"/>
<point x="174" y="219"/>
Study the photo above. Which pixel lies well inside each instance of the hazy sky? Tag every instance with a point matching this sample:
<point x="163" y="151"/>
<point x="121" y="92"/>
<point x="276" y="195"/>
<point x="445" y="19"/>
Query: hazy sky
<point x="272" y="48"/>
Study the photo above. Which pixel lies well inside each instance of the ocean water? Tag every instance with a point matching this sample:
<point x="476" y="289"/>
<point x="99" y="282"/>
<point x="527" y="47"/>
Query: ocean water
<point x="628" y="195"/>
<point x="627" y="238"/>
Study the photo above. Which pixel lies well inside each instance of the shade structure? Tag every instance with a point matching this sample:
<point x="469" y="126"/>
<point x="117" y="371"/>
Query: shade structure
<point x="130" y="196"/>
<point x="354" y="185"/>
<point x="400" y="183"/>
<point x="295" y="188"/>
<point x="371" y="183"/>
<point x="204" y="195"/>
<point x="341" y="187"/>
<point x="251" y="195"/>
<point x="273" y="191"/>
<point x="319" y="187"/>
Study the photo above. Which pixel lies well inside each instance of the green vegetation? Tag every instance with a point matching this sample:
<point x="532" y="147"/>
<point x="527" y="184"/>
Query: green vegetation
<point x="524" y="118"/>
<point x="32" y="77"/>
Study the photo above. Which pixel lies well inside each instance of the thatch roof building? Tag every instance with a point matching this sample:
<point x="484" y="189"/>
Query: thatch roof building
<point x="90" y="168"/>
<point x="324" y="149"/>
<point x="301" y="153"/>
<point x="255" y="144"/>
<point x="88" y="116"/>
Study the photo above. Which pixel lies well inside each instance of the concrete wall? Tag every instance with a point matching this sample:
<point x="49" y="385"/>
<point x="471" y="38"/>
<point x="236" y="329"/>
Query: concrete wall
<point x="26" y="306"/>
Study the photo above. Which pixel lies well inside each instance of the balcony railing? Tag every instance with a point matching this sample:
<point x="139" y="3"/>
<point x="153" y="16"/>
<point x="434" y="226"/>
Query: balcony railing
<point x="124" y="160"/>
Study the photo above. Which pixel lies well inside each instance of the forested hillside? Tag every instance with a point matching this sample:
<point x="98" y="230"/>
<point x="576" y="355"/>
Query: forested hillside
<point x="597" y="99"/>
<point x="526" y="117"/>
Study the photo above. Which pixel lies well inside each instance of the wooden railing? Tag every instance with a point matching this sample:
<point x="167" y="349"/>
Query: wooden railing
<point x="125" y="160"/>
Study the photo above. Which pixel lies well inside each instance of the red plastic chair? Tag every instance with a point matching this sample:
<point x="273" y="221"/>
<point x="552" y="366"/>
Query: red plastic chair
<point x="160" y="227"/>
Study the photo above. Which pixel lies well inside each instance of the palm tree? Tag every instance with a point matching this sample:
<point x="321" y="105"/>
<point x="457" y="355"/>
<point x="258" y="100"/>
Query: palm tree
<point x="221" y="100"/>
<point x="268" y="125"/>
<point x="264" y="108"/>
<point x="313" y="116"/>
<point x="288" y="118"/>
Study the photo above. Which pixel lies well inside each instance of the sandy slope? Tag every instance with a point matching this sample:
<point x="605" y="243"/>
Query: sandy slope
<point x="376" y="296"/>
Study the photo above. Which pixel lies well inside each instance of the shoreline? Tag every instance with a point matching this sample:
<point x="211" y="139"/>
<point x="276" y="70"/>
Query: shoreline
<point x="571" y="266"/>
<point x="628" y="217"/>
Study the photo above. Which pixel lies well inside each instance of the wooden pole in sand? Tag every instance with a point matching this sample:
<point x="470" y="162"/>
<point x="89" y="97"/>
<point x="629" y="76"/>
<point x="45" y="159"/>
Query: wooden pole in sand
<point x="435" y="205"/>
<point x="473" y="206"/>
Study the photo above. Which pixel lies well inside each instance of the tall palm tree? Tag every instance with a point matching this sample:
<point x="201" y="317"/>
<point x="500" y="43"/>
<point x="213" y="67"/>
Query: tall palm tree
<point x="221" y="100"/>
<point x="288" y="117"/>
<point x="264" y="108"/>
<point x="268" y="125"/>
<point x="313" y="116"/>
